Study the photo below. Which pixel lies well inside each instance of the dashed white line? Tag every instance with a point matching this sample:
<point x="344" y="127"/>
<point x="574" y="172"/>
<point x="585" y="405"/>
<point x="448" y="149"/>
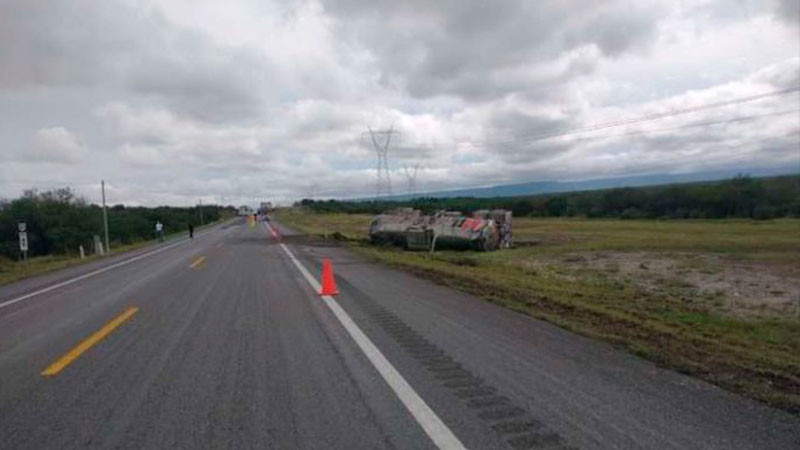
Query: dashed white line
<point x="440" y="434"/>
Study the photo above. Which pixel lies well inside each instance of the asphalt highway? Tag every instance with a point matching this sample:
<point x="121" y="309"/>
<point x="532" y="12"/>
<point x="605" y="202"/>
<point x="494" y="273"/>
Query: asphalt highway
<point x="223" y="342"/>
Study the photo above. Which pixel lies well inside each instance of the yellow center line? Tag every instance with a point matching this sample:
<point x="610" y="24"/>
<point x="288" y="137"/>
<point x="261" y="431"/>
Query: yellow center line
<point x="197" y="262"/>
<point x="73" y="354"/>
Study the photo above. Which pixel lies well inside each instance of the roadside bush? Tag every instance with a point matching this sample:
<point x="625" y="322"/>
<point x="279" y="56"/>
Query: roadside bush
<point x="58" y="222"/>
<point x="765" y="212"/>
<point x="633" y="213"/>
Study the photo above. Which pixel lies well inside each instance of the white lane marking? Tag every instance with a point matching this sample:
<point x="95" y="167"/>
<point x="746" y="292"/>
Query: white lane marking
<point x="90" y="274"/>
<point x="439" y="433"/>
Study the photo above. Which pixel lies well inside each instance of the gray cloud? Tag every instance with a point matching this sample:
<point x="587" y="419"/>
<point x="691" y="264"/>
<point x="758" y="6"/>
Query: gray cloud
<point x="133" y="50"/>
<point x="57" y="145"/>
<point x="172" y="101"/>
<point x="789" y="10"/>
<point x="482" y="50"/>
<point x="783" y="75"/>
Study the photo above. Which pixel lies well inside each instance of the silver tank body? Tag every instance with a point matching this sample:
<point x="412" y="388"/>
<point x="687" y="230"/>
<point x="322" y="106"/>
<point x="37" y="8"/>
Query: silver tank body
<point x="410" y="229"/>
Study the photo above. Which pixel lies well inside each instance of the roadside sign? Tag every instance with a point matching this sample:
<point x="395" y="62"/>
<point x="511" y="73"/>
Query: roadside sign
<point x="23" y="241"/>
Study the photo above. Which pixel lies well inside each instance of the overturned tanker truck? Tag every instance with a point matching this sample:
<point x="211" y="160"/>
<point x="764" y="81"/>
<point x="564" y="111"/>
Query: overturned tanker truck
<point x="485" y="230"/>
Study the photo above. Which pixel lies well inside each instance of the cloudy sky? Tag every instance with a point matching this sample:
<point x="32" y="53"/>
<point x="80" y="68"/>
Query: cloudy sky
<point x="176" y="101"/>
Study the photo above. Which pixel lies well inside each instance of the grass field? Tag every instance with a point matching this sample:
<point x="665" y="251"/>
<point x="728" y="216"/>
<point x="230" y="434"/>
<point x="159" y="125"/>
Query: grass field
<point x="717" y="299"/>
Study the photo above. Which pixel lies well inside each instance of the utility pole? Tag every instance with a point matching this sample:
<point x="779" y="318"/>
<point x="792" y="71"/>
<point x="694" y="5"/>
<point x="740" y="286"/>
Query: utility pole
<point x="201" y="212"/>
<point x="105" y="213"/>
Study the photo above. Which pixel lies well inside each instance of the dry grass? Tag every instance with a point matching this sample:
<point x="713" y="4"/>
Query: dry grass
<point x="685" y="294"/>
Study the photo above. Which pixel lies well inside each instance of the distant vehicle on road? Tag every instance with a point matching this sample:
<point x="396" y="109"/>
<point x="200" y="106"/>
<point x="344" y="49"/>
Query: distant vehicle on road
<point x="406" y="227"/>
<point x="265" y="208"/>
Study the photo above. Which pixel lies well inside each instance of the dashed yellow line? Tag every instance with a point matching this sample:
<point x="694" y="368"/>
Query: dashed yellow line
<point x="197" y="262"/>
<point x="73" y="354"/>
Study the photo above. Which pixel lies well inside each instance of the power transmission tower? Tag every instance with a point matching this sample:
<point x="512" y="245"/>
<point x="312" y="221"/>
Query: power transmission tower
<point x="380" y="142"/>
<point x="411" y="175"/>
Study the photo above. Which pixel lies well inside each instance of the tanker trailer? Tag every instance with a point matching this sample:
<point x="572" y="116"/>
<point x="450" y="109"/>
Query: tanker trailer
<point x="454" y="230"/>
<point x="446" y="229"/>
<point x="394" y="226"/>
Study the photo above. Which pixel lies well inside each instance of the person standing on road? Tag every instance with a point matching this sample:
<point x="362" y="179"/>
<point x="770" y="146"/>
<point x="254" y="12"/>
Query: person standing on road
<point x="160" y="231"/>
<point x="191" y="231"/>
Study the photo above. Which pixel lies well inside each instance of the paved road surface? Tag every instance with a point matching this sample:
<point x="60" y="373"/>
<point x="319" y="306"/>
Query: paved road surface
<point x="230" y="347"/>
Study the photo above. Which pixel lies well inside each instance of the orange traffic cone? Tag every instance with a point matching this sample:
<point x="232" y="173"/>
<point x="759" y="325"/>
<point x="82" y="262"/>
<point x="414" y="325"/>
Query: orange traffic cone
<point x="328" y="283"/>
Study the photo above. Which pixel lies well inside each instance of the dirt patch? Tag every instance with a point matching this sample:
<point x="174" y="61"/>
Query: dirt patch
<point x="734" y="287"/>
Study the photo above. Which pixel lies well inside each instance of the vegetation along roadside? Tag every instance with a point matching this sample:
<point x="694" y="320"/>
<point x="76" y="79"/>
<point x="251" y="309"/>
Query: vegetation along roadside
<point x="58" y="223"/>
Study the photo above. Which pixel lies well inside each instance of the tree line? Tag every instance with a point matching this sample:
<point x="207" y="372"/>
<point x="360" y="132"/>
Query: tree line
<point x="58" y="222"/>
<point x="739" y="197"/>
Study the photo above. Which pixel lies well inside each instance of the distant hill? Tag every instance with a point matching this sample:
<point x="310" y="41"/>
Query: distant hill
<point x="543" y="187"/>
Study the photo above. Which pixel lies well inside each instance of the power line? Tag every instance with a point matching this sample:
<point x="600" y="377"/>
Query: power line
<point x="685" y="126"/>
<point x="666" y="165"/>
<point x="619" y="123"/>
<point x="692" y="125"/>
